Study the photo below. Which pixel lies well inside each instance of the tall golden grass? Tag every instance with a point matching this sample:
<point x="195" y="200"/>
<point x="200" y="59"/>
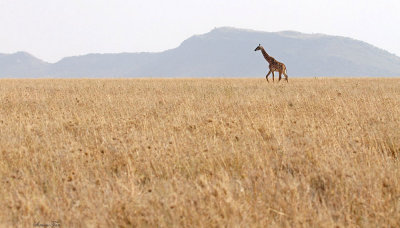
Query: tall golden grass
<point x="200" y="152"/>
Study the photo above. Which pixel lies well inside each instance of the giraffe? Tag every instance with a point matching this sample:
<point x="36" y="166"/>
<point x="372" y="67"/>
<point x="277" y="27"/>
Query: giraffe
<point x="273" y="65"/>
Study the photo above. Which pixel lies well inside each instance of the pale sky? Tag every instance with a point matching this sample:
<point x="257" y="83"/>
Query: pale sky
<point x="53" y="29"/>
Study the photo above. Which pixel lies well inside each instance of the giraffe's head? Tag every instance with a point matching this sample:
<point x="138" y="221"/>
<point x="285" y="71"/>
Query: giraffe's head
<point x="258" y="47"/>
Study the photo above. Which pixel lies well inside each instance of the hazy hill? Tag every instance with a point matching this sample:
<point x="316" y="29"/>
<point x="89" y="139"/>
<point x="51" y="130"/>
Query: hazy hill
<point x="102" y="65"/>
<point x="223" y="52"/>
<point x="22" y="64"/>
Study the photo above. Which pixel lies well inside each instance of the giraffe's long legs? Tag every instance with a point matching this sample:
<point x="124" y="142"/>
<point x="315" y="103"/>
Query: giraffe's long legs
<point x="273" y="76"/>
<point x="286" y="77"/>
<point x="268" y="75"/>
<point x="280" y="76"/>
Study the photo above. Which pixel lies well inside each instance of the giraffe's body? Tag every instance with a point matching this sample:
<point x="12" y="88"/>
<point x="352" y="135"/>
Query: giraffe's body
<point x="274" y="65"/>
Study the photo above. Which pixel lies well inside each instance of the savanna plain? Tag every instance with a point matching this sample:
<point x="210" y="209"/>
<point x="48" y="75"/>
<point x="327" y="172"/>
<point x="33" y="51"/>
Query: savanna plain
<point x="313" y="152"/>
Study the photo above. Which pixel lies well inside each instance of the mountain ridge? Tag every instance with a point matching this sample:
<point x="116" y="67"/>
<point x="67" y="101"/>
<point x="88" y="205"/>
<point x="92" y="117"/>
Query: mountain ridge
<point x="222" y="52"/>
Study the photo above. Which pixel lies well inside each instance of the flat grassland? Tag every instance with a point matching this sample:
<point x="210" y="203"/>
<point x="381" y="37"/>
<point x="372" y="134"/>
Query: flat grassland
<point x="200" y="152"/>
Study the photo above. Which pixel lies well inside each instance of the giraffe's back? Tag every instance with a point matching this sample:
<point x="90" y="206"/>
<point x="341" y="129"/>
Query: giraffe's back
<point x="277" y="66"/>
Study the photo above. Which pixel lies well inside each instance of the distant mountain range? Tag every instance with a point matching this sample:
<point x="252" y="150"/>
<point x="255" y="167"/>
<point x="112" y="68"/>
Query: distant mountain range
<point x="223" y="52"/>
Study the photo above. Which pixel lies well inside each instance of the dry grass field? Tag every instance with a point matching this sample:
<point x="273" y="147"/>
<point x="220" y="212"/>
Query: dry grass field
<point x="200" y="153"/>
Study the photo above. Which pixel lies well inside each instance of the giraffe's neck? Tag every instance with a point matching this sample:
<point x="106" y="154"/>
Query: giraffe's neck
<point x="266" y="56"/>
